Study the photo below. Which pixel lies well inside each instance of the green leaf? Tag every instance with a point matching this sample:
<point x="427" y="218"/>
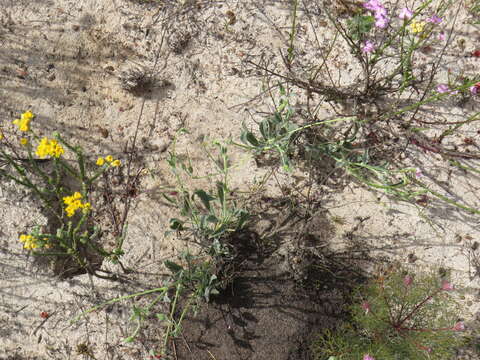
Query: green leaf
<point x="205" y="198"/>
<point x="221" y="191"/>
<point x="252" y="139"/>
<point x="212" y="219"/>
<point x="176" y="224"/>
<point x="265" y="129"/>
<point x="173" y="267"/>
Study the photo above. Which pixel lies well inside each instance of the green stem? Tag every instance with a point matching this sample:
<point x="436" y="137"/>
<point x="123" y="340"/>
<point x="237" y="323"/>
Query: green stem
<point x="121" y="298"/>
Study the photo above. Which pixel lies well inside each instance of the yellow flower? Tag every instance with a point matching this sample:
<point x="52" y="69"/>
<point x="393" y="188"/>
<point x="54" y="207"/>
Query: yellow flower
<point x="24" y="141"/>
<point x="100" y="161"/>
<point x="27" y="115"/>
<point x="49" y="148"/>
<point x="29" y="242"/>
<point x="1" y="135"/>
<point x="24" y="122"/>
<point x="109" y="158"/>
<point x="417" y="27"/>
<point x="116" y="163"/>
<point x="74" y="203"/>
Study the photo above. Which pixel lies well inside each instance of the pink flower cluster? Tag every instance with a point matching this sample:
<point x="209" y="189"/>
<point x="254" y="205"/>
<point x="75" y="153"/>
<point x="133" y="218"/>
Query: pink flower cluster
<point x="379" y="11"/>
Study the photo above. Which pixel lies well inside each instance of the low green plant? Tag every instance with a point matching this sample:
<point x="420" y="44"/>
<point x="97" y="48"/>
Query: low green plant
<point x="208" y="218"/>
<point x="64" y="187"/>
<point x="397" y="315"/>
<point x="207" y="214"/>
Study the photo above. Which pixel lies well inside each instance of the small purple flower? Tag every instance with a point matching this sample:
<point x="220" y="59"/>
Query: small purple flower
<point x="459" y="326"/>
<point x="442" y="88"/>
<point x="380" y="12"/>
<point x="372" y="5"/>
<point x="405" y="14"/>
<point x="442" y="36"/>
<point x="434" y="19"/>
<point x="368" y="357"/>
<point x="407" y="280"/>
<point x="475" y="89"/>
<point x="368" y="47"/>
<point x="446" y="286"/>
<point x="418" y="173"/>
<point x="381" y="21"/>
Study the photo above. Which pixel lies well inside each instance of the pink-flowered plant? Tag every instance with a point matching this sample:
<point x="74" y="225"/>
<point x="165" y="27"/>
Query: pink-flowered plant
<point x="434" y="19"/>
<point x="368" y="47"/>
<point x="447" y="286"/>
<point x="405" y="14"/>
<point x="408" y="280"/>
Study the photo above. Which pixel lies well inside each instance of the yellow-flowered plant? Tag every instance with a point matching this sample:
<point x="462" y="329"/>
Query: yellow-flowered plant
<point x="417" y="27"/>
<point x="24" y="122"/>
<point x="75" y="237"/>
<point x="74" y="203"/>
<point x="49" y="147"/>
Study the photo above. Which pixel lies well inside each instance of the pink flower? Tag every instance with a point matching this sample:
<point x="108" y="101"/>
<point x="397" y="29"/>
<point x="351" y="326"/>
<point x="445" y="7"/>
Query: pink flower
<point x="368" y="47"/>
<point x="459" y="326"/>
<point x="407" y="280"/>
<point x="418" y="173"/>
<point x="442" y="36"/>
<point x="442" y="88"/>
<point x="372" y="5"/>
<point x="368" y="357"/>
<point x="366" y="307"/>
<point x="381" y="21"/>
<point x="380" y="13"/>
<point x="447" y="286"/>
<point x="405" y="14"/>
<point x="434" y="19"/>
<point x="475" y="89"/>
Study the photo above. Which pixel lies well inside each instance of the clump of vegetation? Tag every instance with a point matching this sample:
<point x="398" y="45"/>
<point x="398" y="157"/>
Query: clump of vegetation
<point x="379" y="116"/>
<point x="207" y="218"/>
<point x="398" y="315"/>
<point x="64" y="189"/>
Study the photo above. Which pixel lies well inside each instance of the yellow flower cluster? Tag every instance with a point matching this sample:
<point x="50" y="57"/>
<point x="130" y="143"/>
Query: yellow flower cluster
<point x="108" y="159"/>
<point x="24" y="122"/>
<point x="29" y="242"/>
<point x="74" y="203"/>
<point x="49" y="147"/>
<point x="417" y="27"/>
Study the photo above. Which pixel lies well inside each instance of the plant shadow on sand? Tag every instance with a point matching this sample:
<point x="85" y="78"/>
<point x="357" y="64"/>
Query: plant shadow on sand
<point x="266" y="312"/>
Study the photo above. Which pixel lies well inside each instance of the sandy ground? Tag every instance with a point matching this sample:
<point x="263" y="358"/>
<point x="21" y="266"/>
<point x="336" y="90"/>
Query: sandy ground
<point x="63" y="59"/>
